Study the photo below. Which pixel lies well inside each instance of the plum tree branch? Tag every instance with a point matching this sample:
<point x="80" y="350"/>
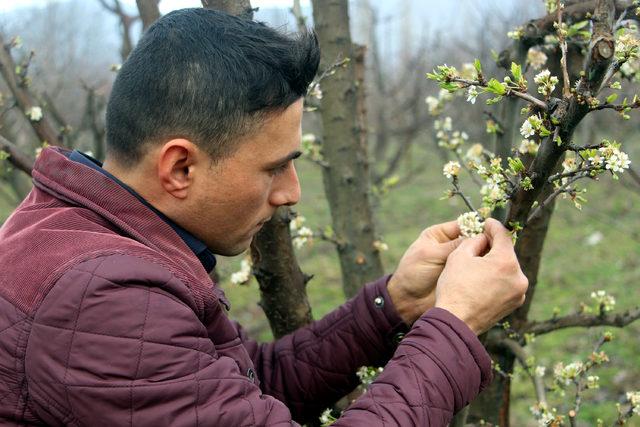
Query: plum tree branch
<point x="23" y="97"/>
<point x="16" y="157"/>
<point x="581" y="320"/>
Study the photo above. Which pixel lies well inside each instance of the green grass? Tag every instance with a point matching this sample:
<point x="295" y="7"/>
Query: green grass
<point x="570" y="270"/>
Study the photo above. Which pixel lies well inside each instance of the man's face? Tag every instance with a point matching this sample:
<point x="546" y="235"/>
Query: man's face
<point x="237" y="195"/>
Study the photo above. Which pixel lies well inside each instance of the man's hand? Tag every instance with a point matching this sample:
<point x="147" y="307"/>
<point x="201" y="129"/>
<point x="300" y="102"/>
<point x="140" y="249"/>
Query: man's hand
<point x="412" y="286"/>
<point x="481" y="287"/>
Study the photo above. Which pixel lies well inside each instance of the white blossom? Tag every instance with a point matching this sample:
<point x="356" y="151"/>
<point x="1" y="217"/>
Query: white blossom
<point x="516" y="33"/>
<point x="618" y="162"/>
<point x="540" y="371"/>
<point x="569" y="165"/>
<point x="380" y="246"/>
<point x="493" y="192"/>
<point x="634" y="399"/>
<point x="444" y="125"/>
<point x="605" y="301"/>
<point x="303" y="235"/>
<point x="593" y="381"/>
<point x="432" y="104"/>
<point x="528" y="146"/>
<point x="451" y="169"/>
<point x="542" y="76"/>
<point x="627" y="46"/>
<point x="594" y="238"/>
<point x="315" y="91"/>
<point x="546" y="82"/>
<point x="296" y="223"/>
<point x="536" y="58"/>
<point x="244" y="274"/>
<point x="34" y="114"/>
<point x="470" y="224"/>
<point x="474" y="153"/>
<point x="527" y="130"/>
<point x="566" y="374"/>
<point x="326" y="418"/>
<point x="472" y="94"/>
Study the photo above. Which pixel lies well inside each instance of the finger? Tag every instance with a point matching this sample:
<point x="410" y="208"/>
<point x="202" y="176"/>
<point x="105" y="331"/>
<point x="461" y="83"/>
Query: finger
<point x="474" y="246"/>
<point x="451" y="245"/>
<point x="498" y="235"/>
<point x="444" y="232"/>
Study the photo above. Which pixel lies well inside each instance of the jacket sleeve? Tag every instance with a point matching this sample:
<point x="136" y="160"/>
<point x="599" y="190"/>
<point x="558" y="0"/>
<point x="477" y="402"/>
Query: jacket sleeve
<point x="314" y="366"/>
<point x="438" y="368"/>
<point x="107" y="349"/>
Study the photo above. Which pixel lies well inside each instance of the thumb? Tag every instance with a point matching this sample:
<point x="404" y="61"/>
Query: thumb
<point x="474" y="246"/>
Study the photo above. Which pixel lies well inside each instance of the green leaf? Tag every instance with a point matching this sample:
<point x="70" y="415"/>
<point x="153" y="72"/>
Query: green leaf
<point x="516" y="71"/>
<point x="558" y="140"/>
<point x="612" y="98"/>
<point x="516" y="165"/>
<point x="433" y="76"/>
<point x="544" y="131"/>
<point x="451" y="87"/>
<point x="477" y="66"/>
<point x="494" y="100"/>
<point x="495" y="87"/>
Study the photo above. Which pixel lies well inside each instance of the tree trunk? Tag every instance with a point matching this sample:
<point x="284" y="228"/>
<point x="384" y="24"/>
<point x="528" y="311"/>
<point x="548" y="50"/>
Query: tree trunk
<point x="493" y="404"/>
<point x="283" y="295"/>
<point x="283" y="292"/>
<point x="346" y="178"/>
<point x="149" y="12"/>
<point x="232" y="7"/>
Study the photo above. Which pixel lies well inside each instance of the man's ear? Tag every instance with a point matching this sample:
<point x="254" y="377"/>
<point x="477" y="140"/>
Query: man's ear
<point x="175" y="167"/>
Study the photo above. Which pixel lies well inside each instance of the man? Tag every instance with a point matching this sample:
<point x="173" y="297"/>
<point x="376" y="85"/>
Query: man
<point x="107" y="312"/>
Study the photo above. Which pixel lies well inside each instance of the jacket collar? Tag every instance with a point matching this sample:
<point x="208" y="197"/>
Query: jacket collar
<point x="78" y="184"/>
<point x="206" y="257"/>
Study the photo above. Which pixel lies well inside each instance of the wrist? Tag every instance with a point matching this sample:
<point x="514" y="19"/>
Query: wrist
<point x="405" y="305"/>
<point x="462" y="314"/>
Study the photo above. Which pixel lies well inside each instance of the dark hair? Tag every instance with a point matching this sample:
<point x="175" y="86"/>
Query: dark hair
<point x="206" y="76"/>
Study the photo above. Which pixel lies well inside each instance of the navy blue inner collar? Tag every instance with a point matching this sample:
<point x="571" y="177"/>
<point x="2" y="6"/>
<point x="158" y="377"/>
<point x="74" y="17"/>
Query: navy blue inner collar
<point x="198" y="247"/>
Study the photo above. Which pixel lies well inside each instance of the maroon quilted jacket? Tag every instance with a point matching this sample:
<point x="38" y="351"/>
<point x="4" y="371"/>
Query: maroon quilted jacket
<point x="107" y="318"/>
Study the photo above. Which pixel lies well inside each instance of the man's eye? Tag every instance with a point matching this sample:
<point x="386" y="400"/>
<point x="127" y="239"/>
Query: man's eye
<point x="280" y="169"/>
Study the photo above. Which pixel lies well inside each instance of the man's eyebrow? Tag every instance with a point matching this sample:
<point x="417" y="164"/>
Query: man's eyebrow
<point x="291" y="156"/>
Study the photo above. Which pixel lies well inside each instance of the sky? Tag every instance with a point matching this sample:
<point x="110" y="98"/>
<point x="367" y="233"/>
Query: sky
<point x="165" y="5"/>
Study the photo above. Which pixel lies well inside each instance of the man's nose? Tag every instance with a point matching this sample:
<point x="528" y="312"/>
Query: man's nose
<point x="287" y="191"/>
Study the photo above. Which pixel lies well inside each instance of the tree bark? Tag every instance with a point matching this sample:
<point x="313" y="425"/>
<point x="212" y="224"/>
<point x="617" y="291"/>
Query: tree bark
<point x="232" y="7"/>
<point x="149" y="12"/>
<point x="283" y="293"/>
<point x="346" y="178"/>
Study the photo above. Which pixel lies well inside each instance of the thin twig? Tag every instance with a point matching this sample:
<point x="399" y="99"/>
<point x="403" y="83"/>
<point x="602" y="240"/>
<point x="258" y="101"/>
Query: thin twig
<point x="458" y="192"/>
<point x="566" y="86"/>
<point x="510" y="92"/>
<point x="538" y="210"/>
<point x="521" y="354"/>
<point x="572" y="173"/>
